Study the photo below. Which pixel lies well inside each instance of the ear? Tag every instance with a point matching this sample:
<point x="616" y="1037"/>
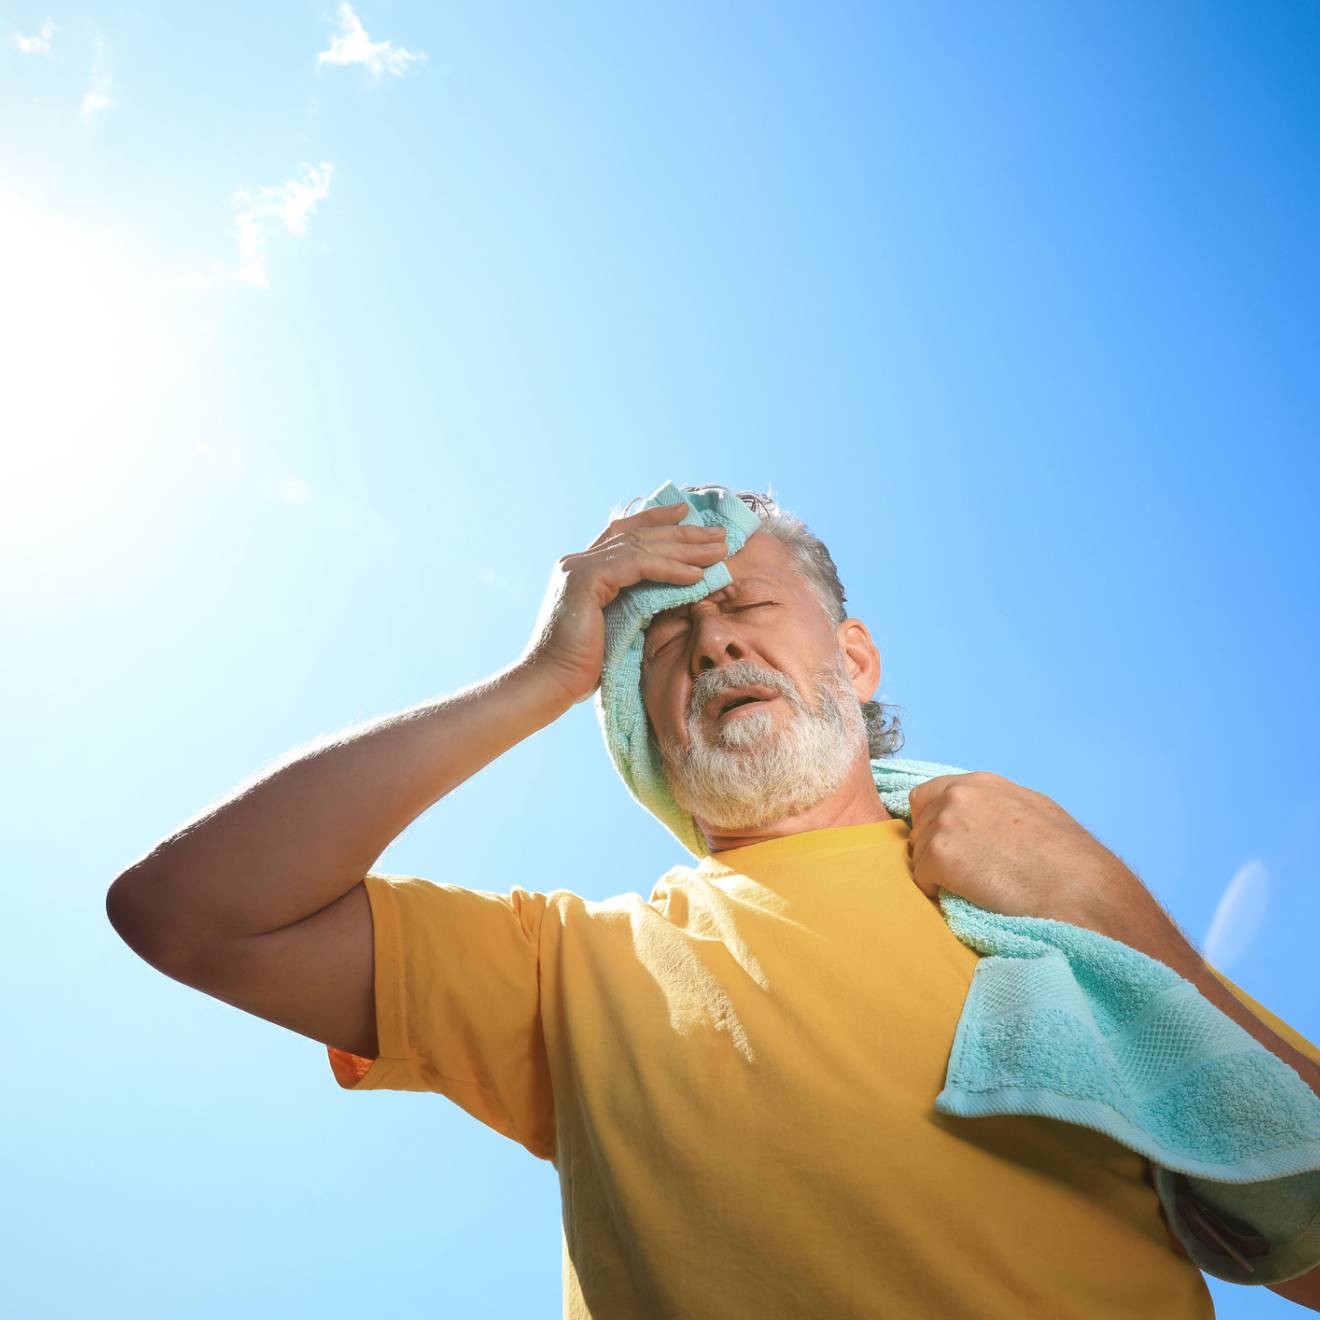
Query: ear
<point x="860" y="657"/>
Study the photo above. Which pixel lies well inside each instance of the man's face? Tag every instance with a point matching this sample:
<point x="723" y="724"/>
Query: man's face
<point x="776" y="756"/>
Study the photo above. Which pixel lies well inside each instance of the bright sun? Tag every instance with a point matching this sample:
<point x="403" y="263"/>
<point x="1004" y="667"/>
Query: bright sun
<point x="86" y="357"/>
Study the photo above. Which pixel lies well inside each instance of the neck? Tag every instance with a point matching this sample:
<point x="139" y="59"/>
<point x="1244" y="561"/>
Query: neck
<point x="855" y="803"/>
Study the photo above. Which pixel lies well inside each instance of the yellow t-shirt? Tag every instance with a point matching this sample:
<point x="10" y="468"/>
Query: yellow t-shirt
<point x="735" y="1081"/>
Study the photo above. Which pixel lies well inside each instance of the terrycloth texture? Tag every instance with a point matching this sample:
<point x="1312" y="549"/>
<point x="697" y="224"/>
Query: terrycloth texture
<point x="1059" y="1021"/>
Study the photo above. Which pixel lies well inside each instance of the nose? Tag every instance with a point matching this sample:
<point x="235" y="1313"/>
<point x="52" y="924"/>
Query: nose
<point x="716" y="642"/>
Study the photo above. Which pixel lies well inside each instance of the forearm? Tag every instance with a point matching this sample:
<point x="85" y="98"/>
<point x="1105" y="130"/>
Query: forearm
<point x="1152" y="931"/>
<point x="293" y="838"/>
<point x="1149" y="929"/>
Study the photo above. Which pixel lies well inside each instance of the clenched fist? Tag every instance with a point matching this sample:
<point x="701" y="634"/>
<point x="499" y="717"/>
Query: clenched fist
<point x="1014" y="851"/>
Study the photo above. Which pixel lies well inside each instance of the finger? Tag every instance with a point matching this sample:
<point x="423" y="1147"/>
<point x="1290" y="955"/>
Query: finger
<point x="628" y="558"/>
<point x="930" y="891"/>
<point x="918" y="849"/>
<point x="915" y="850"/>
<point x="675" y="570"/>
<point x="684" y="538"/>
<point x="920" y="837"/>
<point x="682" y="541"/>
<point x="929" y="885"/>
<point x="674" y="543"/>
<point x="658" y="515"/>
<point x="921" y="883"/>
<point x="614" y="571"/>
<point x="927" y="793"/>
<point x="917" y="801"/>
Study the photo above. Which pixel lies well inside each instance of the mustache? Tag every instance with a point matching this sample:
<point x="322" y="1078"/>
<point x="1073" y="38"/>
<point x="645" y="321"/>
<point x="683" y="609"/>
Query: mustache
<point x="733" y="677"/>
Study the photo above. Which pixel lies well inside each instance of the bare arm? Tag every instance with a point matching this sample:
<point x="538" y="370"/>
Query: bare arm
<point x="1154" y="932"/>
<point x="260" y="901"/>
<point x="293" y="839"/>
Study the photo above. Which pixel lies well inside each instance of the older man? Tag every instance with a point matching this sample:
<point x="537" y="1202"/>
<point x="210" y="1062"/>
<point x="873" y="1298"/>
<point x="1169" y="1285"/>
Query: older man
<point x="732" y="1078"/>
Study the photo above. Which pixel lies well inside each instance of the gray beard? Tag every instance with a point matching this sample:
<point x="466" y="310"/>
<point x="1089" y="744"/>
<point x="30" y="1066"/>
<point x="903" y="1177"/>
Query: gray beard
<point x="766" y="765"/>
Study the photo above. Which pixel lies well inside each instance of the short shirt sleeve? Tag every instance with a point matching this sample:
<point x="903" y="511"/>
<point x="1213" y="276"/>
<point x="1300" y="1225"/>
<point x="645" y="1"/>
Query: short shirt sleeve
<point x="458" y="1011"/>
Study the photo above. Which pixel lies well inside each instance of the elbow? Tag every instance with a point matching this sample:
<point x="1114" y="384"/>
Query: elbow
<point x="129" y="910"/>
<point x="119" y="907"/>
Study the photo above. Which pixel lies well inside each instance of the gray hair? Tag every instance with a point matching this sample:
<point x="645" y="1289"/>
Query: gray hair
<point x="815" y="566"/>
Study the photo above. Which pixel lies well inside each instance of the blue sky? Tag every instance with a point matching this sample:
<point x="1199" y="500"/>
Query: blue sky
<point x="321" y="344"/>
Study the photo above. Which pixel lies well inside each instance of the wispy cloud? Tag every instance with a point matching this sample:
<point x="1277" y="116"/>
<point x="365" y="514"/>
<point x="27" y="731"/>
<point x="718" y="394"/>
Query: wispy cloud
<point x="265" y="209"/>
<point x="259" y="212"/>
<point x="353" y="46"/>
<point x="39" y="44"/>
<point x="1239" y="916"/>
<point x="97" y="96"/>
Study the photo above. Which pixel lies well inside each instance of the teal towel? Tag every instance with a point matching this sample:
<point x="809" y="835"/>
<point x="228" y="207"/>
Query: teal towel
<point x="1059" y="1021"/>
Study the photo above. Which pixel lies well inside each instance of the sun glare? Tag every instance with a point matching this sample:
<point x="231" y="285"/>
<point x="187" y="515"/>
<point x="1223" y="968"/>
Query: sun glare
<point x="86" y="357"/>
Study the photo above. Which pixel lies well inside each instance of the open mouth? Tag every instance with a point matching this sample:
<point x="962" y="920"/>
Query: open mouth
<point x="739" y="702"/>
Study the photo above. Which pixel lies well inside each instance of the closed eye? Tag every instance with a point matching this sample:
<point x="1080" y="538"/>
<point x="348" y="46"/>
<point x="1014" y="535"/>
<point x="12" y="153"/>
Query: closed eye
<point x="678" y="632"/>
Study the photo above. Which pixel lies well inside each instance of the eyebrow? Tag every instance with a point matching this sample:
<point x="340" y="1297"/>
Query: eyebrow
<point x="737" y="584"/>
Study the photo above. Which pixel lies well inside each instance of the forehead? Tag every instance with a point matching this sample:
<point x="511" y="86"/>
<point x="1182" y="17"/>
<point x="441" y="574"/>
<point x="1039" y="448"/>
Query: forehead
<point x="750" y="581"/>
<point x="761" y="563"/>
